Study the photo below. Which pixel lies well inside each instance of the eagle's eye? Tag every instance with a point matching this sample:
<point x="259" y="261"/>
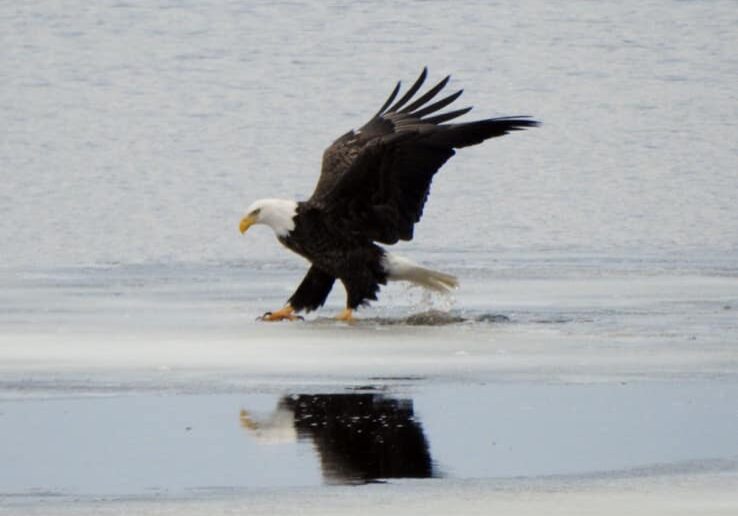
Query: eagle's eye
<point x="255" y="213"/>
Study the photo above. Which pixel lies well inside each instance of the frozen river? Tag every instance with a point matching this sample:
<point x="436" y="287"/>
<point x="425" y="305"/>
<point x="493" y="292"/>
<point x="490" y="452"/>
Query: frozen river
<point x="590" y="354"/>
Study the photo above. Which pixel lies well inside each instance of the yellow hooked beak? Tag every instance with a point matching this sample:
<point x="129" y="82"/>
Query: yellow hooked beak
<point x="246" y="223"/>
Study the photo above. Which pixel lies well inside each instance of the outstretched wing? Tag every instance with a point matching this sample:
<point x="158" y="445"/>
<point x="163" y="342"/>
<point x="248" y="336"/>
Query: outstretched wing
<point x="339" y="157"/>
<point x="377" y="179"/>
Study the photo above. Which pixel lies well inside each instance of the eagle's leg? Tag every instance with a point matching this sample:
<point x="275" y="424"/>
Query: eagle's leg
<point x="346" y="315"/>
<point x="362" y="286"/>
<point x="312" y="292"/>
<point x="286" y="312"/>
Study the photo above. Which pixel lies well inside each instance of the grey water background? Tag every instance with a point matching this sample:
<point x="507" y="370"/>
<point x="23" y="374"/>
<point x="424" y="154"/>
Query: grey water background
<point x="139" y="132"/>
<point x="134" y="135"/>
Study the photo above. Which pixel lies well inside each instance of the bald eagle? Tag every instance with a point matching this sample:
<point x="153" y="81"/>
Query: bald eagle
<point x="372" y="188"/>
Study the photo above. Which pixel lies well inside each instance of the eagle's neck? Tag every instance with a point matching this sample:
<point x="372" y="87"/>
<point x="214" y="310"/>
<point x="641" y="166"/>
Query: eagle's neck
<point x="278" y="214"/>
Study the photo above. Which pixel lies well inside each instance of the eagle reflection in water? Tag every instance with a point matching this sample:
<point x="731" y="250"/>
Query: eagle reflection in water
<point x="359" y="437"/>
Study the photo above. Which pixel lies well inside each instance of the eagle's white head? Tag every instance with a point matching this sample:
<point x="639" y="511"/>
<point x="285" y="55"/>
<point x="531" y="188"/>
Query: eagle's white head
<point x="278" y="214"/>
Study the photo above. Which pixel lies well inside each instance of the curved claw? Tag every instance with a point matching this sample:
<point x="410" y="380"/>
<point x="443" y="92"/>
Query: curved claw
<point x="280" y="315"/>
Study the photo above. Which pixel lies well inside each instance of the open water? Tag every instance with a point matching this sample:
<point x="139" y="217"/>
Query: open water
<point x="139" y="132"/>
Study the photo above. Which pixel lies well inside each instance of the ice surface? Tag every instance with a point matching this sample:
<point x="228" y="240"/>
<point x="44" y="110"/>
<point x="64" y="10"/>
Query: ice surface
<point x="572" y="377"/>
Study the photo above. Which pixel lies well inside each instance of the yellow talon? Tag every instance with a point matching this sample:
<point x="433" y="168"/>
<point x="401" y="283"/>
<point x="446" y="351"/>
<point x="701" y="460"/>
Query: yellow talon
<point x="246" y="420"/>
<point x="280" y="315"/>
<point x="347" y="315"/>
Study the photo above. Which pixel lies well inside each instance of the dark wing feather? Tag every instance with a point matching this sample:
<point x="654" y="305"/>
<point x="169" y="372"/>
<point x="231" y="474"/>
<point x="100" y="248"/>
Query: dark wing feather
<point x="472" y="133"/>
<point x="409" y="93"/>
<point x="409" y="174"/>
<point x="389" y="99"/>
<point x="427" y="96"/>
<point x="337" y="158"/>
<point x="385" y="190"/>
<point x="445" y="117"/>
<point x="378" y="178"/>
<point x="437" y="105"/>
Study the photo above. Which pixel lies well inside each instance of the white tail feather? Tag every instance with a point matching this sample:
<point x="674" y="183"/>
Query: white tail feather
<point x="402" y="269"/>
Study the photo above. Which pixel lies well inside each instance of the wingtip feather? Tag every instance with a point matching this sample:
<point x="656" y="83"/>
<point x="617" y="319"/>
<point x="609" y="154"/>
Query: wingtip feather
<point x="410" y="92"/>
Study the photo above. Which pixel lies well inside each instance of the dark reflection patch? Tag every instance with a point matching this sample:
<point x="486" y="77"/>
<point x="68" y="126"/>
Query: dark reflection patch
<point x="361" y="437"/>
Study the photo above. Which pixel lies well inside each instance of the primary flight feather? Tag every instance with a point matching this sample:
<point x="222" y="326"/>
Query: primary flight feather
<point x="373" y="185"/>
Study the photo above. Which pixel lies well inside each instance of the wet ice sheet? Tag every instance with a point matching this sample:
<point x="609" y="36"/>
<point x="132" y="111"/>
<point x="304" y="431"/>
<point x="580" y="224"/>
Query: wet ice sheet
<point x="588" y="375"/>
<point x="710" y="492"/>
<point x="173" y="320"/>
<point x="624" y="374"/>
<point x="167" y="298"/>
